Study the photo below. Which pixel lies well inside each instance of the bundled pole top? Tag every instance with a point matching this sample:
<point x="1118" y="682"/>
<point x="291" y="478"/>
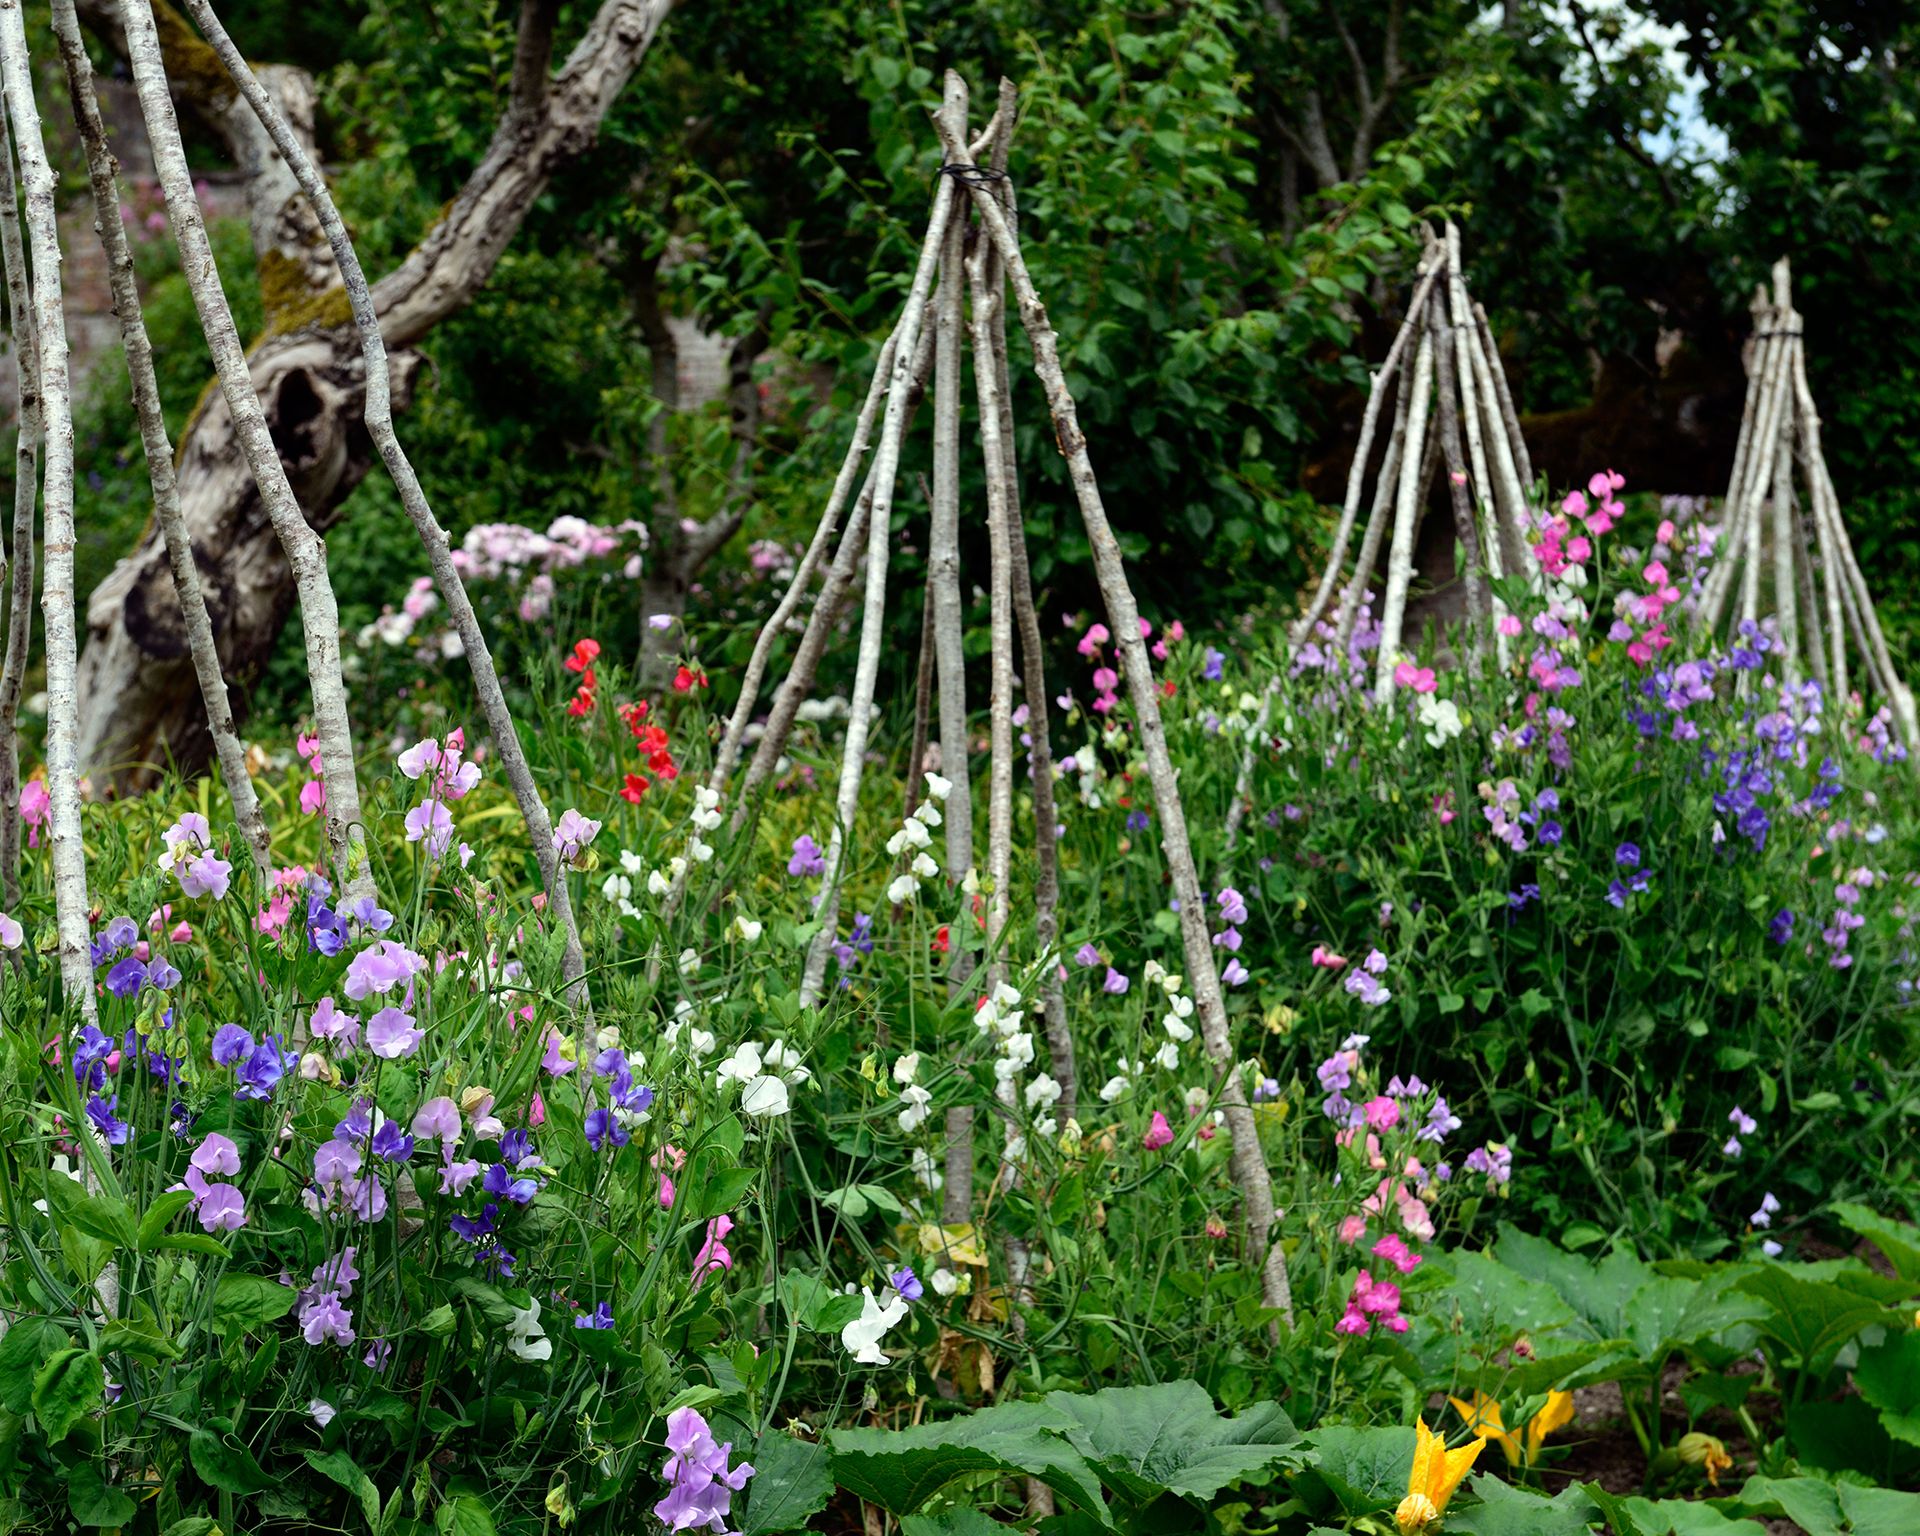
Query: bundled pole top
<point x="1452" y="409"/>
<point x="1785" y="577"/>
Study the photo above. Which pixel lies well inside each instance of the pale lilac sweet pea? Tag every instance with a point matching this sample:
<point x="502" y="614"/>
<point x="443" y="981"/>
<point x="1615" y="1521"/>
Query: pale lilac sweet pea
<point x="572" y="835"/>
<point x="379" y="968"/>
<point x="329" y="1022"/>
<point x="700" y="1495"/>
<point x="430" y="823"/>
<point x="439" y="1120"/>
<point x="391" y="1034"/>
<point x="206" y="875"/>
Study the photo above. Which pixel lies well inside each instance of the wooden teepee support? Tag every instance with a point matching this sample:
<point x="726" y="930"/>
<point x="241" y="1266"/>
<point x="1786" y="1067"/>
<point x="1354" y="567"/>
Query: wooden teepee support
<point x="1775" y="541"/>
<point x="1452" y="409"/>
<point x="40" y="334"/>
<point x="963" y="270"/>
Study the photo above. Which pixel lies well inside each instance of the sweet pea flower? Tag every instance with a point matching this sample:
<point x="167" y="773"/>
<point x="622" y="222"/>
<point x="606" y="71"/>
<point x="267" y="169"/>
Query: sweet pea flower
<point x="391" y="1034"/>
<point x="1159" y="1133"/>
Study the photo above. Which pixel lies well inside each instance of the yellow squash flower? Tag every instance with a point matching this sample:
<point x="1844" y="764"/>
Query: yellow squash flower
<point x="1436" y="1473"/>
<point x="1557" y="1414"/>
<point x="1483" y="1418"/>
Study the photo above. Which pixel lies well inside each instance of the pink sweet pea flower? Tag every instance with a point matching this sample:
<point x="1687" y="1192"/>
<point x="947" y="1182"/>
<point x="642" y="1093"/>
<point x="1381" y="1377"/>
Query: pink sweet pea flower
<point x="713" y="1255"/>
<point x="1419" y="679"/>
<point x="1326" y="959"/>
<point x="1159" y="1133"/>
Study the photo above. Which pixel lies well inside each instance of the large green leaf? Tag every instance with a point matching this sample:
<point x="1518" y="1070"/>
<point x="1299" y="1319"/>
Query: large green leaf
<point x="1170" y="1438"/>
<point x="952" y="1522"/>
<point x="791" y="1484"/>
<point x="92" y="1501"/>
<point x="136" y="1337"/>
<point x="1812" y="1505"/>
<point x="1668" y="1314"/>
<point x="69" y="1386"/>
<point x="1364" y="1469"/>
<point x="29" y="1344"/>
<point x="901" y="1469"/>
<point x="153" y="1224"/>
<point x="1505" y="1510"/>
<point x="1888" y="1376"/>
<point x="1896" y="1239"/>
<point x="1811" y="1319"/>
<point x="1676" y="1517"/>
<point x="1497" y="1304"/>
<point x="463" y="1515"/>
<point x="224" y="1463"/>
<point x="245" y="1302"/>
<point x="1880" y="1511"/>
<point x="1599" y="1292"/>
<point x="344" y="1470"/>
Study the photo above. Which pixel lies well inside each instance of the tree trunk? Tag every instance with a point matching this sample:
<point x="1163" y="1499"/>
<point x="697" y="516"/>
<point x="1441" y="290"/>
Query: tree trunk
<point x="140" y="706"/>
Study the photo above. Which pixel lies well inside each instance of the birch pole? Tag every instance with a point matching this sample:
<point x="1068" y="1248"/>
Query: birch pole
<point x="26" y="492"/>
<point x="1033" y="656"/>
<point x="1383" y="492"/>
<point x="1486" y="499"/>
<point x="848" y="561"/>
<point x="1356" y="472"/>
<point x="943" y="543"/>
<point x="1807" y="418"/>
<point x="1406" y="506"/>
<point x="1460" y="495"/>
<point x="1813" y="643"/>
<point x="1247" y="1162"/>
<point x="873" y="619"/>
<point x="1784" y="605"/>
<point x="1509" y="506"/>
<point x="728" y="754"/>
<point x="306" y="554"/>
<point x="1509" y="415"/>
<point x="413" y="497"/>
<point x="68" y="856"/>
<point x="102" y="174"/>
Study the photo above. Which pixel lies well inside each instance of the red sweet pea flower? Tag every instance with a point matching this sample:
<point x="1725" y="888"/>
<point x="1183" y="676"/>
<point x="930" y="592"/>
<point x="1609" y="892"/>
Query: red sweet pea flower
<point x="686" y="679"/>
<point x="942" y="941"/>
<point x="635" y="789"/>
<point x="584" y="654"/>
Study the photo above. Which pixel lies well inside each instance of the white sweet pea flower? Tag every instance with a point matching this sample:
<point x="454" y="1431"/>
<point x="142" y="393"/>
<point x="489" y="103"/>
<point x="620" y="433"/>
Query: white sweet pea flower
<point x="862" y="1336"/>
<point x="916" y="1099"/>
<point x="1177" y="1028"/>
<point x="631" y="862"/>
<point x="937" y="787"/>
<point x="764" y="1098"/>
<point x="747" y="928"/>
<point x="903" y="890"/>
<point x="1041" y="1091"/>
<point x="524" y="1336"/>
<point x="701" y="1042"/>
<point x="1168" y="1056"/>
<point x="784" y="1060"/>
<point x="907" y="1068"/>
<point x="945" y="1282"/>
<point x="742" y="1066"/>
<point x="689" y="961"/>
<point x="927" y="814"/>
<point x="1115" y="1089"/>
<point x="923" y="866"/>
